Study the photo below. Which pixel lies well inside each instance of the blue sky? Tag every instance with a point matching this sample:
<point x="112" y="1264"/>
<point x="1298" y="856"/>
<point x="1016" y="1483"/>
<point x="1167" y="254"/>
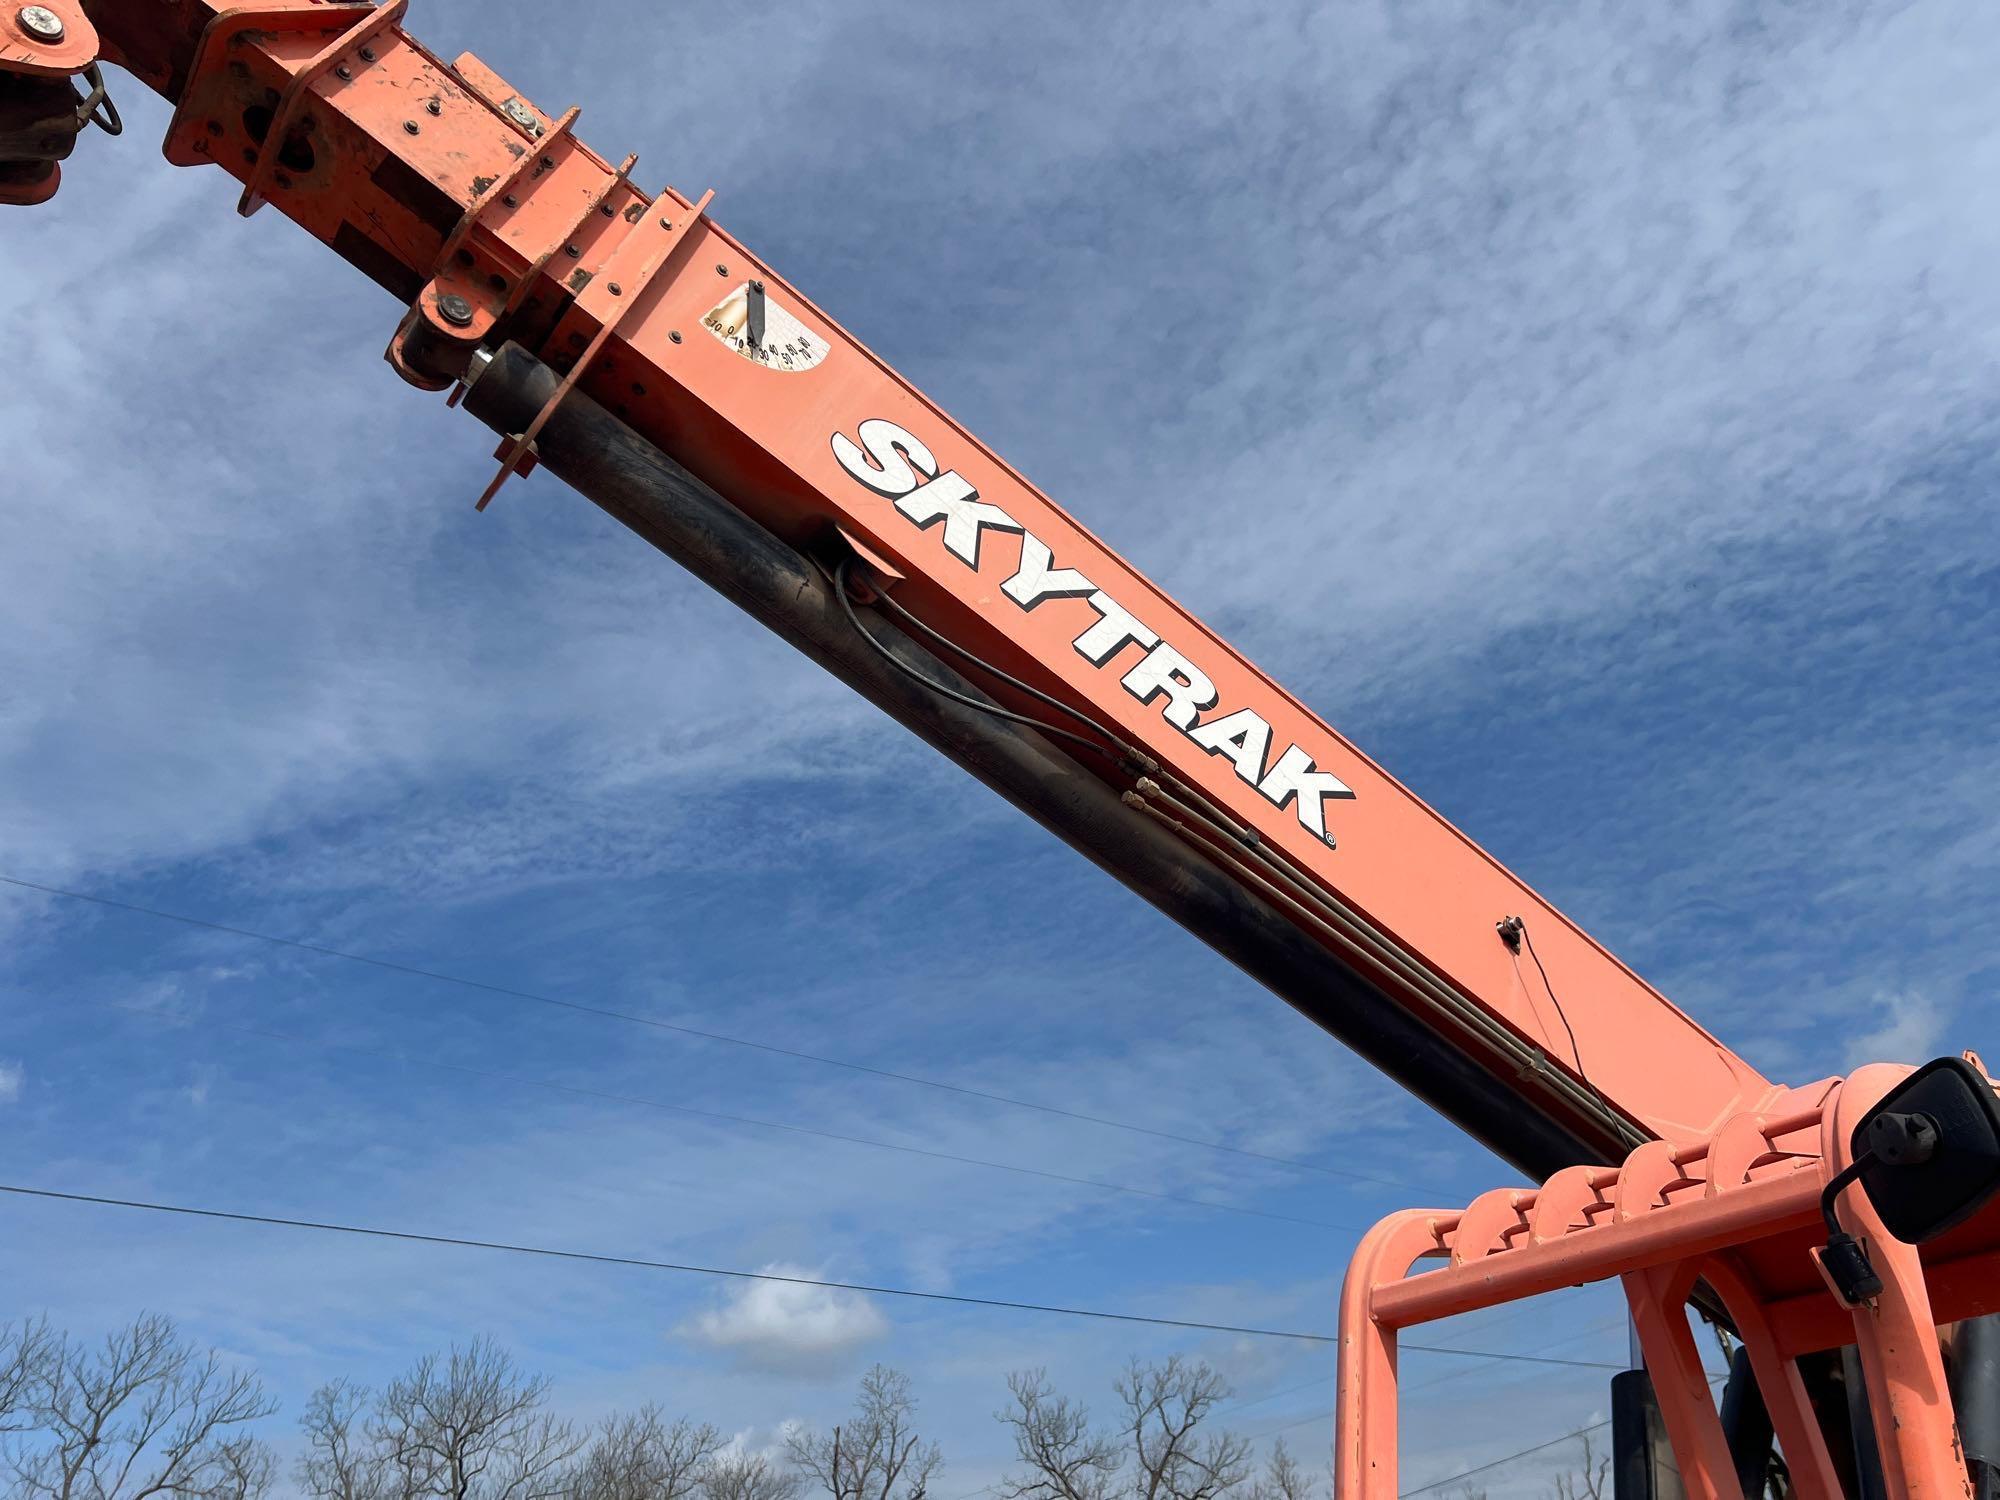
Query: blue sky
<point x="1590" y="413"/>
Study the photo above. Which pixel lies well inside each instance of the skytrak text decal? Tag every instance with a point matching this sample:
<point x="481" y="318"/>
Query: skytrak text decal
<point x="897" y="465"/>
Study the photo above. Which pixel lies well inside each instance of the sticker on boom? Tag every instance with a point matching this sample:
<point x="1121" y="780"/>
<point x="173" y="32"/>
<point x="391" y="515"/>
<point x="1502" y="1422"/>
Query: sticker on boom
<point x="899" y="466"/>
<point x="756" y="328"/>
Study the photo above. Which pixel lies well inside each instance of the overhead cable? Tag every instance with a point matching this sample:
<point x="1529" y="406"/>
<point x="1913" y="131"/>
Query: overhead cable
<point x="414" y="1237"/>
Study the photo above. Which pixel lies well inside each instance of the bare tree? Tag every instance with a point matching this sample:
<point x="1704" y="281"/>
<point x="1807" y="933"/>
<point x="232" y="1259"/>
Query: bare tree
<point x="143" y="1415"/>
<point x="1064" y="1459"/>
<point x="469" y="1426"/>
<point x="875" y="1456"/>
<point x="1591" y="1483"/>
<point x="340" y="1462"/>
<point x="747" y="1476"/>
<point x="26" y="1349"/>
<point x="1164" y="1405"/>
<point x="643" y="1456"/>
<point x="1283" y="1479"/>
<point x="1157" y="1453"/>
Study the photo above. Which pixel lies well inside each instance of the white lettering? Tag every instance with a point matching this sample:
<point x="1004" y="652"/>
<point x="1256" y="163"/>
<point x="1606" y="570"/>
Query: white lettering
<point x="948" y="498"/>
<point x="1294" y="776"/>
<point x="1113" y="632"/>
<point x="1037" y="581"/>
<point x="1242" y="736"/>
<point x="887" y="466"/>
<point x="1165" y="670"/>
<point x="895" y="463"/>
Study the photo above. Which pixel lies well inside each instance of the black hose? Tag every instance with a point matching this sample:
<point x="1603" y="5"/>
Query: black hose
<point x="645" y="489"/>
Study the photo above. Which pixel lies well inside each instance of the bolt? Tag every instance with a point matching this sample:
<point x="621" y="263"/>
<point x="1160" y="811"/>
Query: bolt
<point x="511" y="201"/>
<point x="722" y="270"/>
<point x="608" y="211"/>
<point x="455" y="310"/>
<point x="572" y="252"/>
<point x="411" y="127"/>
<point x="41" y="23"/>
<point x="616" y="290"/>
<point x="368" y="54"/>
<point x="344" y="73"/>
<point x="675" y="335"/>
<point x="434" y="107"/>
<point x="666" y="223"/>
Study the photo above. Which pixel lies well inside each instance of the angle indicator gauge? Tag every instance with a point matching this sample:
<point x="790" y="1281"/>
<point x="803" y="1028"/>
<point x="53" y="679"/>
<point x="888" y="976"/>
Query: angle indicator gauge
<point x="756" y="328"/>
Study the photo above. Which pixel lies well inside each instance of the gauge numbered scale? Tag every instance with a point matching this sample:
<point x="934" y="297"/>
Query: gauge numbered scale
<point x="757" y="329"/>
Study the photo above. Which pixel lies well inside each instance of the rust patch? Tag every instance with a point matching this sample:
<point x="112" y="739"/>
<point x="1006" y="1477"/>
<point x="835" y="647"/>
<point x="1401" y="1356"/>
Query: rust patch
<point x="635" y="213"/>
<point x="481" y="184"/>
<point x="578" y="280"/>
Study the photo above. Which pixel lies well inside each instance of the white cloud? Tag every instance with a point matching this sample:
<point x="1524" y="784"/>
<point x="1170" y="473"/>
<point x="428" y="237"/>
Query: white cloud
<point x="12" y="1077"/>
<point x="780" y="1327"/>
<point x="1912" y="1031"/>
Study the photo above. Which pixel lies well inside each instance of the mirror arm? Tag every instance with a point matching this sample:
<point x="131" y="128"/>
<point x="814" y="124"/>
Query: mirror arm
<point x="1845" y="1258"/>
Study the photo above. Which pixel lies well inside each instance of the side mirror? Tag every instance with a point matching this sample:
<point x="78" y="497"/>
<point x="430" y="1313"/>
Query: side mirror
<point x="1929" y="1154"/>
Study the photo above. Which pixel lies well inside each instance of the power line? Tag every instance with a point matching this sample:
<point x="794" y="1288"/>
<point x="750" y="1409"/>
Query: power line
<point x="1320" y="1380"/>
<point x="1591" y="1332"/>
<point x="1514" y="1359"/>
<point x="413" y="1237"/>
<point x="1528" y="1359"/>
<point x="544" y="1252"/>
<point x="577" y="1090"/>
<point x="1290" y="1390"/>
<point x="1422" y="1385"/>
<point x="631" y="1018"/>
<point x="1567" y="1437"/>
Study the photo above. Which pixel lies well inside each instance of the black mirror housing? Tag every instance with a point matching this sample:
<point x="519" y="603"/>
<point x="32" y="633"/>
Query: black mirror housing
<point x="1934" y="1190"/>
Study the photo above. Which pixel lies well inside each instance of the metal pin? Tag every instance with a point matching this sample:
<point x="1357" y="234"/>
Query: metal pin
<point x="41" y="23"/>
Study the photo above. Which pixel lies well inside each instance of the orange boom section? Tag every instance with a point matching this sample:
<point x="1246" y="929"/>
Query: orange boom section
<point x="496" y="224"/>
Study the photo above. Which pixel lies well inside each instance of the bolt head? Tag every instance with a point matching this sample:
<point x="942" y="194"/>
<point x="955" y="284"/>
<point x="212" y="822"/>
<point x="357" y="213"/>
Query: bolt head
<point x="455" y="310"/>
<point x="41" y="23"/>
<point x="521" y="115"/>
